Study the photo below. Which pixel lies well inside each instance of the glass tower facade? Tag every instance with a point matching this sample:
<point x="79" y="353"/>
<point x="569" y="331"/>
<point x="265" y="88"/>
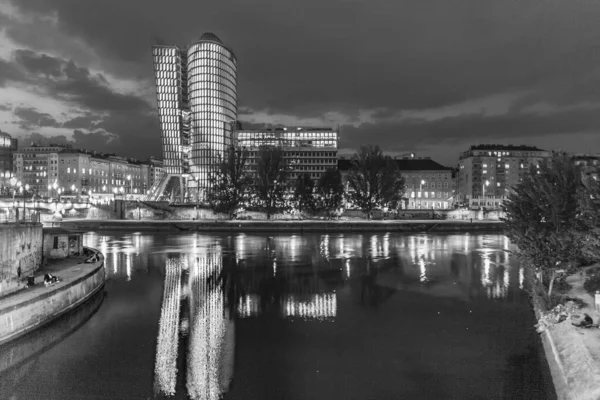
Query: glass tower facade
<point x="196" y="90"/>
<point x="169" y="68"/>
<point x="212" y="81"/>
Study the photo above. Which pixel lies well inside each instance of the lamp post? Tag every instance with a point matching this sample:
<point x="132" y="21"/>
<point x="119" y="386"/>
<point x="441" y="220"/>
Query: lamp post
<point x="24" y="193"/>
<point x="130" y="184"/>
<point x="487" y="183"/>
<point x="421" y="191"/>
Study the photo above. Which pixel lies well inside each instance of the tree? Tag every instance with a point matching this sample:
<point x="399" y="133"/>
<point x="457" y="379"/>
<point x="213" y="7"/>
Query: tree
<point x="589" y="204"/>
<point x="543" y="216"/>
<point x="374" y="180"/>
<point x="330" y="192"/>
<point x="304" y="193"/>
<point x="270" y="184"/>
<point x="231" y="183"/>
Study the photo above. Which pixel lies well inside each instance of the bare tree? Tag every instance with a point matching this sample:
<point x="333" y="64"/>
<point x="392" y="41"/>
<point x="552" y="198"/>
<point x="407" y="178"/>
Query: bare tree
<point x="374" y="180"/>
<point x="270" y="184"/>
<point x="231" y="183"/>
<point x="330" y="192"/>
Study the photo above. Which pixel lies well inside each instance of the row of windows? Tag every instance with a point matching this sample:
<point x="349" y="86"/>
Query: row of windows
<point x="166" y="74"/>
<point x="440" y="195"/>
<point x="169" y="118"/>
<point x="426" y="185"/>
<point x="167" y="89"/>
<point x="211" y="73"/>
<point x="224" y="92"/>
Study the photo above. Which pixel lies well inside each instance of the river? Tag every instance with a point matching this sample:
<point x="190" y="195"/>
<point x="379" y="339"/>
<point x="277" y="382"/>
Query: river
<point x="282" y="316"/>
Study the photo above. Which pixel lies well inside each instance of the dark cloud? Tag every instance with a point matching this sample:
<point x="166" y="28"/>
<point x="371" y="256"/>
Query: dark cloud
<point x="9" y="73"/>
<point x="356" y="55"/>
<point x="311" y="57"/>
<point x="412" y="134"/>
<point x="38" y="138"/>
<point x="39" y="63"/>
<point x="6" y="107"/>
<point x="30" y="118"/>
<point x="65" y="80"/>
<point x="87" y="121"/>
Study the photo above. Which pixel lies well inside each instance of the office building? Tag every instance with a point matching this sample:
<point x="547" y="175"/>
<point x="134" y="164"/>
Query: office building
<point x="8" y="146"/>
<point x="305" y="150"/>
<point x="487" y="172"/>
<point x="196" y="90"/>
<point x="429" y="185"/>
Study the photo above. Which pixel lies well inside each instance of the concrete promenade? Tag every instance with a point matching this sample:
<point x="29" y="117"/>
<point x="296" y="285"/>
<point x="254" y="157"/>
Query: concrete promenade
<point x="30" y="308"/>
<point x="411" y="226"/>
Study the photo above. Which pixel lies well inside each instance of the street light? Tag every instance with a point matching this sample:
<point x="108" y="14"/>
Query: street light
<point x="487" y="183"/>
<point x="130" y="184"/>
<point x="421" y="191"/>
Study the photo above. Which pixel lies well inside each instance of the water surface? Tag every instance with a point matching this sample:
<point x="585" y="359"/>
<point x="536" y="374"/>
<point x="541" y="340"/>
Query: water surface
<point x="348" y="316"/>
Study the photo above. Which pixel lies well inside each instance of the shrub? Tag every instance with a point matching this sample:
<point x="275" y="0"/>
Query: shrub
<point x="592" y="283"/>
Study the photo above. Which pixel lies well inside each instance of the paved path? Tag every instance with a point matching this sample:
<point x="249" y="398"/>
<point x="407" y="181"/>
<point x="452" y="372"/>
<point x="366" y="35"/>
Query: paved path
<point x="67" y="270"/>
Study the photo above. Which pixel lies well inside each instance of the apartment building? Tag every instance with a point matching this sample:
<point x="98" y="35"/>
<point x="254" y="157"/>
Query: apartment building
<point x="429" y="185"/>
<point x="487" y="172"/>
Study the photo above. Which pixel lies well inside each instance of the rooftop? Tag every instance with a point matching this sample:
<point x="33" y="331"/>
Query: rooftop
<point x="520" y="147"/>
<point x="423" y="164"/>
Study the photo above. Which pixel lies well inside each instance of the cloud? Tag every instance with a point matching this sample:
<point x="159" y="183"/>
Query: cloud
<point x="401" y="74"/>
<point x="30" y="118"/>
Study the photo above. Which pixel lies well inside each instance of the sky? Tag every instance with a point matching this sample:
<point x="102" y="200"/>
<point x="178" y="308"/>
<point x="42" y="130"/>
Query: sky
<point x="431" y="77"/>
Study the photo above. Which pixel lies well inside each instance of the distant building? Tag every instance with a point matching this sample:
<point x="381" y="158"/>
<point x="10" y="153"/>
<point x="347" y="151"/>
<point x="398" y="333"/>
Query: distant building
<point x="487" y="172"/>
<point x="590" y="164"/>
<point x="8" y="145"/>
<point x="305" y="150"/>
<point x="196" y="90"/>
<point x="37" y="166"/>
<point x="429" y="185"/>
<point x="156" y="171"/>
<point x="58" y="170"/>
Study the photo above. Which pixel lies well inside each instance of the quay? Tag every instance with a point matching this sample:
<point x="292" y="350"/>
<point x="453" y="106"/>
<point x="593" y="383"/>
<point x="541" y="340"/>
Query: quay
<point x="295" y="226"/>
<point x="30" y="308"/>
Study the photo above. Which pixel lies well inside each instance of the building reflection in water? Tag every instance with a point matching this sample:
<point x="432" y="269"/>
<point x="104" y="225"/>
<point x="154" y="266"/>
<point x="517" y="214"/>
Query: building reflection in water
<point x="212" y="335"/>
<point x="211" y="280"/>
<point x="165" y="369"/>
<point x="322" y="306"/>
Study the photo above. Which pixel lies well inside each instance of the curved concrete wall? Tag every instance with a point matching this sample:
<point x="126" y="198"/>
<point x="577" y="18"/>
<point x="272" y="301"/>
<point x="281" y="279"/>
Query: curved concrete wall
<point x="24" y="313"/>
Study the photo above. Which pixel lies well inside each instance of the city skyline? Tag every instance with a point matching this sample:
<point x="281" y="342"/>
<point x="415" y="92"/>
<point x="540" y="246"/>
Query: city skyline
<point x="431" y="80"/>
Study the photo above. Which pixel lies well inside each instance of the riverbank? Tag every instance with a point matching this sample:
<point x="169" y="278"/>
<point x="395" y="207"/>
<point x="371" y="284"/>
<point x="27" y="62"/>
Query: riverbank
<point x="30" y="308"/>
<point x="411" y="226"/>
<point x="573" y="353"/>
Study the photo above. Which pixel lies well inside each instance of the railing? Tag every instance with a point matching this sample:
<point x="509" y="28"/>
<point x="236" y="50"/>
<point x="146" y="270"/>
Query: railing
<point x="10" y="219"/>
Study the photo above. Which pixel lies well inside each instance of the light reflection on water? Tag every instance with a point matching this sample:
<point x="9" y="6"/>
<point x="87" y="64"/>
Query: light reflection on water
<point x="227" y="280"/>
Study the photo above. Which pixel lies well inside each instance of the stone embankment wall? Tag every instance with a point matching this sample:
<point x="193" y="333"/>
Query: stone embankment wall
<point x="20" y="254"/>
<point x="291" y="226"/>
<point x="35" y="309"/>
<point x="159" y="211"/>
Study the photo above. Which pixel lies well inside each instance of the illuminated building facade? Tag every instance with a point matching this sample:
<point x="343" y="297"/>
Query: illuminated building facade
<point x="8" y="145"/>
<point x="196" y="89"/>
<point x="305" y="150"/>
<point x="37" y="166"/>
<point x="589" y="163"/>
<point x="486" y="172"/>
<point x="429" y="185"/>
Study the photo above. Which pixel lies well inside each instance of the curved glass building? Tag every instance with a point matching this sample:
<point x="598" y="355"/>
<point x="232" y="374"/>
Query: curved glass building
<point x="212" y="92"/>
<point x="196" y="90"/>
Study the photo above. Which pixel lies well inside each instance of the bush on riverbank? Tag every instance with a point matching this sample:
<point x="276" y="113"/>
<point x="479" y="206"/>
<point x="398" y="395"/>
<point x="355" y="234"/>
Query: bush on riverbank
<point x="592" y="283"/>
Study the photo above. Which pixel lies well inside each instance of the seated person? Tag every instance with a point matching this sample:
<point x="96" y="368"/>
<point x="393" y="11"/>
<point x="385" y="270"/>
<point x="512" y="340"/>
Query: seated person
<point x="586" y="322"/>
<point x="50" y="279"/>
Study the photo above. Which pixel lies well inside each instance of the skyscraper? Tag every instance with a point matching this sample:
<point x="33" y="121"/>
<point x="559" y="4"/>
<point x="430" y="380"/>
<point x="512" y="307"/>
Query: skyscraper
<point x="196" y="90"/>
